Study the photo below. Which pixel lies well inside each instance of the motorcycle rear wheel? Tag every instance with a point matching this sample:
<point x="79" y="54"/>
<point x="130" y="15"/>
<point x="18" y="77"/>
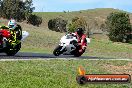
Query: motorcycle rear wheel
<point x="77" y="53"/>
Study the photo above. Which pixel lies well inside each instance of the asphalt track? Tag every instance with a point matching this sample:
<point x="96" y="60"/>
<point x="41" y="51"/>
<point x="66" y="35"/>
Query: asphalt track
<point x="30" y="56"/>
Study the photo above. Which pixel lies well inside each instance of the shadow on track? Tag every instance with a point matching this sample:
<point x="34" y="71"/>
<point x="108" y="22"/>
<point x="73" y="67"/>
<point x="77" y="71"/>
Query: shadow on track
<point x="26" y="55"/>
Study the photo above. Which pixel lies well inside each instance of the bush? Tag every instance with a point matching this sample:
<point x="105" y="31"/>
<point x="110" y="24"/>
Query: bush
<point x="57" y="24"/>
<point x="34" y="20"/>
<point x="51" y="24"/>
<point x="16" y="9"/>
<point x="118" y="25"/>
<point x="77" y="22"/>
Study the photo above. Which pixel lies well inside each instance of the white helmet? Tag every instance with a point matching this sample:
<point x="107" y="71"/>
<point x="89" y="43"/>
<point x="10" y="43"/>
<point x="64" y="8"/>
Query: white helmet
<point x="12" y="24"/>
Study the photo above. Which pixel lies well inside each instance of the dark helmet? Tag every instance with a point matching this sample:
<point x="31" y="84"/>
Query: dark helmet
<point x="79" y="31"/>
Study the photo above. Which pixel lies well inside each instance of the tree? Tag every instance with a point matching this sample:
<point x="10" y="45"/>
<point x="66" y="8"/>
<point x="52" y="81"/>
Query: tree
<point x="17" y="9"/>
<point x="1" y="8"/>
<point x="57" y="24"/>
<point x="118" y="25"/>
<point x="77" y="22"/>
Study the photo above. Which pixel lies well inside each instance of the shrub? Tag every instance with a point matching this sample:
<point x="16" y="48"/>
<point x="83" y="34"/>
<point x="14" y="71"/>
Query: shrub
<point x="57" y="24"/>
<point x="118" y="25"/>
<point x="34" y="20"/>
<point x="77" y="22"/>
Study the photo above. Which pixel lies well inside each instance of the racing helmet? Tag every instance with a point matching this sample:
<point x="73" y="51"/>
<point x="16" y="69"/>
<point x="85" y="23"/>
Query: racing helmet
<point x="80" y="31"/>
<point x="12" y="24"/>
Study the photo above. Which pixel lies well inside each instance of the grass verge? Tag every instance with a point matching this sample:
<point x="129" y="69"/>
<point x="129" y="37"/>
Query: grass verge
<point x="53" y="73"/>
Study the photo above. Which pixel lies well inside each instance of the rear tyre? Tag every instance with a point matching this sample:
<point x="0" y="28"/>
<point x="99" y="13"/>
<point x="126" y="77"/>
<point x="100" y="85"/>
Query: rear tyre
<point x="77" y="53"/>
<point x="57" y="51"/>
<point x="13" y="51"/>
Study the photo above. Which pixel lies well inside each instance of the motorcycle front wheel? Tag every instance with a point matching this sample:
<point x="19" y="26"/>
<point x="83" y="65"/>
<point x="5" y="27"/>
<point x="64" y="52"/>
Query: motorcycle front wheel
<point x="57" y="51"/>
<point x="13" y="51"/>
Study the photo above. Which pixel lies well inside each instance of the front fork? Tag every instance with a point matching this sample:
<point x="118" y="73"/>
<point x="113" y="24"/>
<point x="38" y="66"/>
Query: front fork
<point x="63" y="48"/>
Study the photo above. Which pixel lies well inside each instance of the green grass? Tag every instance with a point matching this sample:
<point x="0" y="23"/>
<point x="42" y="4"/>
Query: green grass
<point x="52" y="73"/>
<point x="90" y="13"/>
<point x="40" y="39"/>
<point x="106" y="48"/>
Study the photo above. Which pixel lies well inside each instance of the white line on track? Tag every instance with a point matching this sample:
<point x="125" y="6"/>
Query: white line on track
<point x="61" y="59"/>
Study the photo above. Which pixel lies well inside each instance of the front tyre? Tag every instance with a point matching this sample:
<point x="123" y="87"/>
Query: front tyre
<point x="57" y="51"/>
<point x="13" y="51"/>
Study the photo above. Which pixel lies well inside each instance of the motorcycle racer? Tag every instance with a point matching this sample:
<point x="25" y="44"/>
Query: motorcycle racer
<point x="82" y="42"/>
<point x="72" y="44"/>
<point x="15" y="30"/>
<point x="12" y="33"/>
<point x="11" y="37"/>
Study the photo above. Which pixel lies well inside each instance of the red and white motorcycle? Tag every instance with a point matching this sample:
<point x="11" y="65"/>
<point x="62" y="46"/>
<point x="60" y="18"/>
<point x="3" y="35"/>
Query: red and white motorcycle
<point x="68" y="46"/>
<point x="5" y="45"/>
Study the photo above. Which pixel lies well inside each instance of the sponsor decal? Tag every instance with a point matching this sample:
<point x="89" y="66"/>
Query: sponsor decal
<point x="83" y="78"/>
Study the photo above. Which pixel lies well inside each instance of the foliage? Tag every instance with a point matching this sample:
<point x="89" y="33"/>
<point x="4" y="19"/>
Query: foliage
<point x="34" y="20"/>
<point x="77" y="22"/>
<point x="17" y="9"/>
<point x="57" y="24"/>
<point x="118" y="25"/>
